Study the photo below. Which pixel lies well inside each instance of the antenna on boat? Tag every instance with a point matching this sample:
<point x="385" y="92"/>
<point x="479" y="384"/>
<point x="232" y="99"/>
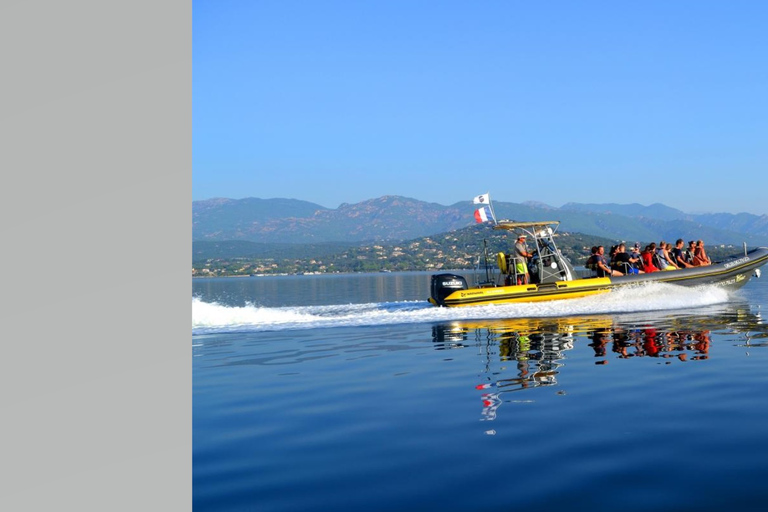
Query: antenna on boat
<point x="493" y="213"/>
<point x="485" y="253"/>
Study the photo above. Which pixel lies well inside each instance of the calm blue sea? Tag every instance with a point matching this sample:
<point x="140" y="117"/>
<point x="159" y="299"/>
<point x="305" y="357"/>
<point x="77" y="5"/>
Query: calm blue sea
<point x="352" y="393"/>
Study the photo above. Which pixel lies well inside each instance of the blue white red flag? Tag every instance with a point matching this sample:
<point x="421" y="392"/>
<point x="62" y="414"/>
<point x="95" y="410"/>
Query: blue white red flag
<point x="483" y="198"/>
<point x="483" y="214"/>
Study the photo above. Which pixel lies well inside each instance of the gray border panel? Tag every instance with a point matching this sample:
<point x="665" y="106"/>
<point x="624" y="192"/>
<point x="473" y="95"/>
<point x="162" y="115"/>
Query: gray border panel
<point x="96" y="138"/>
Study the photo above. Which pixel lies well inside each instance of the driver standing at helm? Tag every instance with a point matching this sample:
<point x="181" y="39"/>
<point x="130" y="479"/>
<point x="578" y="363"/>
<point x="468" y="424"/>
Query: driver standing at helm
<point x="521" y="260"/>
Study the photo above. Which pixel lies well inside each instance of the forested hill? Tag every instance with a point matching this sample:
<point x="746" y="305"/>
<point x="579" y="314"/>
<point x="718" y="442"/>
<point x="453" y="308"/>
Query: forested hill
<point x="459" y="249"/>
<point x="396" y="218"/>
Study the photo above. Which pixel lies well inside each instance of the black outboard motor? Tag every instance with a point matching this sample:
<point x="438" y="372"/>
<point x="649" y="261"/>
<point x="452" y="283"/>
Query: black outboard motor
<point x="445" y="284"/>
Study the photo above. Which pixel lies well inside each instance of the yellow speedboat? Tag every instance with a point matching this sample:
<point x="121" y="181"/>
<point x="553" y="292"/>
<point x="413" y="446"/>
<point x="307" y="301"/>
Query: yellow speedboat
<point x="553" y="277"/>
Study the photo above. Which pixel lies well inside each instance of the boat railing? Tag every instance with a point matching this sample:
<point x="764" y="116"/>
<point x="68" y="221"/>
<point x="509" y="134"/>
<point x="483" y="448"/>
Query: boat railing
<point x="484" y="275"/>
<point x="584" y="273"/>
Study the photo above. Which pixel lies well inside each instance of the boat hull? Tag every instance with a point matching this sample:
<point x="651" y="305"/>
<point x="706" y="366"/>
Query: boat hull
<point x="731" y="273"/>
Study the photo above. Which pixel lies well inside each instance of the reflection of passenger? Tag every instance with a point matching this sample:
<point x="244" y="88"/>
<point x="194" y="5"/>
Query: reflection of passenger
<point x="702" y="344"/>
<point x="621" y="343"/>
<point x="523" y="359"/>
<point x="650" y="344"/>
<point x="523" y="369"/>
<point x="680" y="338"/>
<point x="599" y="341"/>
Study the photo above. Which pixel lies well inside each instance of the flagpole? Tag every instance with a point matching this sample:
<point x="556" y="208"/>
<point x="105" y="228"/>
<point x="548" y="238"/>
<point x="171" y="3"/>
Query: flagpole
<point x="493" y="214"/>
<point x="481" y="199"/>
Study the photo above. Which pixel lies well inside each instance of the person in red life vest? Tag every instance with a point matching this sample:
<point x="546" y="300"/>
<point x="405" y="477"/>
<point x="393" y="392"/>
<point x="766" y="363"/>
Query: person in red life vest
<point x="647" y="257"/>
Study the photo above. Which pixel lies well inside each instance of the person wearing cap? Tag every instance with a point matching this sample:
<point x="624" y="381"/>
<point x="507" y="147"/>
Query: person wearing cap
<point x="521" y="260"/>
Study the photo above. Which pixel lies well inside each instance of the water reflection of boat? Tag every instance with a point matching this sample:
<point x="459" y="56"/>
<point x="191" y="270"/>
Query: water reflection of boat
<point x="536" y="346"/>
<point x="553" y="277"/>
<point x="650" y="342"/>
<point x="534" y="349"/>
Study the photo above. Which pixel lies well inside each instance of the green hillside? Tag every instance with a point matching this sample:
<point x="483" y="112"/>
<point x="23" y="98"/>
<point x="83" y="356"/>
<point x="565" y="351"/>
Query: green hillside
<point x="459" y="249"/>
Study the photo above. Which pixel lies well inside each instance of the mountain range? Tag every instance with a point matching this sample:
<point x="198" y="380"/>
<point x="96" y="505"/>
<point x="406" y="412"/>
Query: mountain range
<point x="395" y="218"/>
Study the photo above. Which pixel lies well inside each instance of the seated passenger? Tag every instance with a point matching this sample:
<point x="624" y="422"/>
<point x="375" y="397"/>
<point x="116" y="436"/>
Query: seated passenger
<point x="647" y="257"/>
<point x="666" y="261"/>
<point x="602" y="265"/>
<point x="690" y="251"/>
<point x="623" y="262"/>
<point x="659" y="260"/>
<point x="591" y="262"/>
<point x="671" y="257"/>
<point x="679" y="255"/>
<point x="700" y="257"/>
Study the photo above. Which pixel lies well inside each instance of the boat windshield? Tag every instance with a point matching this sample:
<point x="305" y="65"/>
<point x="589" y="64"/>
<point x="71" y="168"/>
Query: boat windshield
<point x="548" y="264"/>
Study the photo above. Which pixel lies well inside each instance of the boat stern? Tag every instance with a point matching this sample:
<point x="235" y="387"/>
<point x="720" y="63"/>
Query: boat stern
<point x="443" y="285"/>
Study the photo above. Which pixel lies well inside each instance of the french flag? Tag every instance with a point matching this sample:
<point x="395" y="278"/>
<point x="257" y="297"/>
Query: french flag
<point x="483" y="214"/>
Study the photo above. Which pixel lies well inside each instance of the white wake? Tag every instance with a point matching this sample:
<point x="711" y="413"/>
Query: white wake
<point x="215" y="318"/>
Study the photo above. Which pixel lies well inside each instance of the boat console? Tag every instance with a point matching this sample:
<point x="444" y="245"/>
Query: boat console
<point x="547" y="265"/>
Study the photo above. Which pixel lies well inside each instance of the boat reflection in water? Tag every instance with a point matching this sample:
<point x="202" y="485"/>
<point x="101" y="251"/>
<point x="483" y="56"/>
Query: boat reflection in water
<point x="535" y="349"/>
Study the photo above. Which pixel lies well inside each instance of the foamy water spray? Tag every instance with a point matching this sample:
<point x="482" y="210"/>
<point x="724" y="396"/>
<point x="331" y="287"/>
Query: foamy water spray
<point x="212" y="317"/>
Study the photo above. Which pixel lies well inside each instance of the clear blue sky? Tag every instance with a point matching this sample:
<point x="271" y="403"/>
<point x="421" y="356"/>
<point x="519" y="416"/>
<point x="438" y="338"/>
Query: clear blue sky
<point x="341" y="101"/>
